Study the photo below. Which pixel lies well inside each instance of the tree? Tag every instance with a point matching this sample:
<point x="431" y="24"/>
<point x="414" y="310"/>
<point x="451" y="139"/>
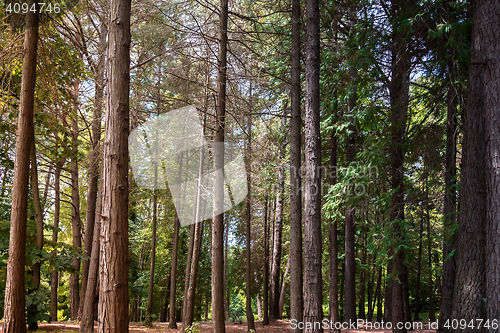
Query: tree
<point x="218" y="325"/>
<point x="14" y="313"/>
<point x="296" y="281"/>
<point x="114" y="293"/>
<point x="313" y="300"/>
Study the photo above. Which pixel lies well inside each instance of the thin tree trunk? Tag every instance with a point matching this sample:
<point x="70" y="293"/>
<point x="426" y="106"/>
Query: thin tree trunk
<point x="14" y="305"/>
<point x="164" y="310"/>
<point x="333" y="290"/>
<point x="362" y="281"/>
<point x="419" y="270"/>
<point x="218" y="324"/>
<point x="283" y="289"/>
<point x="35" y="285"/>
<point x="432" y="315"/>
<point x="153" y="253"/>
<point x="93" y="165"/>
<point x="296" y="276"/>
<point x="57" y="209"/>
<point x="88" y="312"/>
<point x="259" y="306"/>
<point x="379" y="295"/>
<point x="175" y="248"/>
<point x="74" y="279"/>
<point x="450" y="200"/>
<point x="313" y="284"/>
<point x="189" y="260"/>
<point x="248" y="218"/>
<point x="278" y="233"/>
<point x="265" y="318"/>
<point x="350" y="211"/>
<point x="114" y="292"/>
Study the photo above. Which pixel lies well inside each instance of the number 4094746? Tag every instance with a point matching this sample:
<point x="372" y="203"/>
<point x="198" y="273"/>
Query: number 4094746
<point x="23" y="8"/>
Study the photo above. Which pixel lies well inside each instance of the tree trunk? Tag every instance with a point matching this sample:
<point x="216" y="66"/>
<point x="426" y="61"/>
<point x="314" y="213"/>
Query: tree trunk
<point x="173" y="271"/>
<point x="35" y="285"/>
<point x="419" y="270"/>
<point x="283" y="289"/>
<point x="114" y="292"/>
<point x="350" y="212"/>
<point x="164" y="310"/>
<point x="362" y="281"/>
<point x="189" y="260"/>
<point x="94" y="161"/>
<point x="218" y="324"/>
<point x="88" y="312"/>
<point x="379" y="295"/>
<point x="296" y="276"/>
<point x="265" y="318"/>
<point x="313" y="284"/>
<point x="333" y="289"/>
<point x="74" y="283"/>
<point x="149" y="315"/>
<point x="248" y="218"/>
<point x="489" y="51"/>
<point x="57" y="208"/>
<point x="432" y="315"/>
<point x="399" y="97"/>
<point x="278" y="233"/>
<point x="14" y="305"/>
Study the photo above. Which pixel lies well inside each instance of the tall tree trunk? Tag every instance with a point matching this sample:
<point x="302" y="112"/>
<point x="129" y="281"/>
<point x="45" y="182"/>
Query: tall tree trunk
<point x="296" y="276"/>
<point x="93" y="164"/>
<point x="164" y="310"/>
<point x="74" y="279"/>
<point x="490" y="52"/>
<point x="379" y="295"/>
<point x="153" y="253"/>
<point x="218" y="324"/>
<point x="278" y="233"/>
<point x="432" y="314"/>
<point x="450" y="200"/>
<point x="350" y="211"/>
<point x="362" y="281"/>
<point x="137" y="301"/>
<point x="419" y="270"/>
<point x="114" y="292"/>
<point x="399" y="97"/>
<point x="88" y="312"/>
<point x="283" y="289"/>
<point x="14" y="305"/>
<point x="35" y="285"/>
<point x="333" y="289"/>
<point x="173" y="271"/>
<point x="313" y="284"/>
<point x="189" y="261"/>
<point x="265" y="319"/>
<point x="470" y="284"/>
<point x="54" y="283"/>
<point x="248" y="218"/>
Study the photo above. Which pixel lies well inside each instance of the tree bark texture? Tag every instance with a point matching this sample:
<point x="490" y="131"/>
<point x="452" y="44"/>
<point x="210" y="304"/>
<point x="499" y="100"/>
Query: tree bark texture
<point x="313" y="284"/>
<point x="296" y="275"/>
<point x="218" y="324"/>
<point x="114" y="256"/>
<point x="14" y="305"/>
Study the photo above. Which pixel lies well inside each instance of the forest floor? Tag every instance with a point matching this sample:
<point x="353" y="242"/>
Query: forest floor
<point x="276" y="326"/>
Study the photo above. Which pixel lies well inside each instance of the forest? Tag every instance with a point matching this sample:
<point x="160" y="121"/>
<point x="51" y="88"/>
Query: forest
<point x="276" y="166"/>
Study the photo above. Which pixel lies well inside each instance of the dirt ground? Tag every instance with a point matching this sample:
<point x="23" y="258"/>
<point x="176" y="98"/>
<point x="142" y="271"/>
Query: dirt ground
<point x="276" y="326"/>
